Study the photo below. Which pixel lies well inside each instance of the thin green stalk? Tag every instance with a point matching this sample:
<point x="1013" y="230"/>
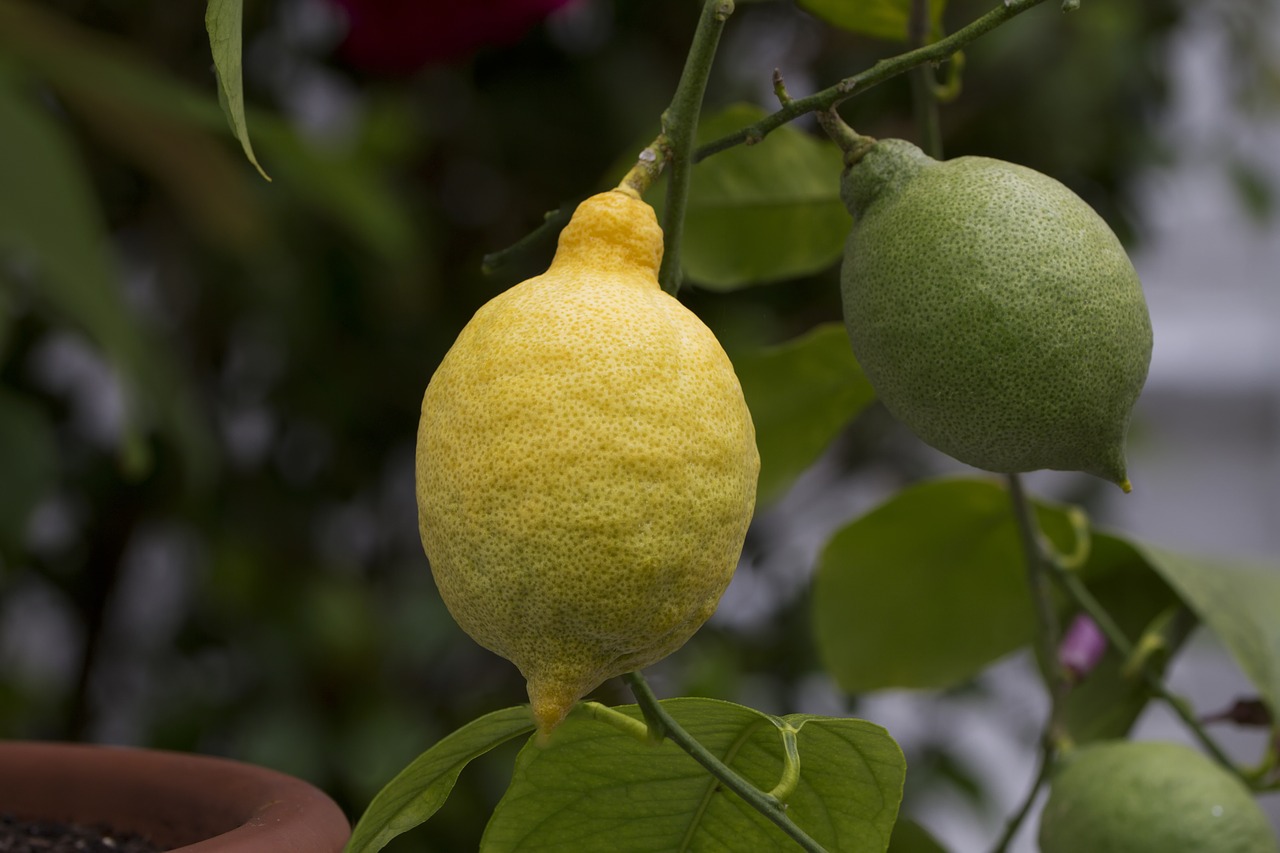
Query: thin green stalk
<point x="876" y="74"/>
<point x="766" y="804"/>
<point x="679" y="126"/>
<point x="1120" y="642"/>
<point x="1048" y="633"/>
<point x="620" y="721"/>
<point x="553" y="222"/>
<point x="678" y="149"/>
<point x="1018" y="817"/>
<point x="790" y="763"/>
<point x="924" y="97"/>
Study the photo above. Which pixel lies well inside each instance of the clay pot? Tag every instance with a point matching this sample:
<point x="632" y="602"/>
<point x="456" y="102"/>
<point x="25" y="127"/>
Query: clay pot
<point x="188" y="803"/>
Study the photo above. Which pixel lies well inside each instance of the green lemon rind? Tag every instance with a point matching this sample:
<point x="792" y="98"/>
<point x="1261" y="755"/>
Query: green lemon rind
<point x="993" y="311"/>
<point x="1150" y="797"/>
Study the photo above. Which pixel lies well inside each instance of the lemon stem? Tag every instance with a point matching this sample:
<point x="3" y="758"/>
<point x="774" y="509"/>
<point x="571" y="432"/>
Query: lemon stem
<point x="620" y="721"/>
<point x="647" y="168"/>
<point x="680" y="127"/>
<point x="853" y="144"/>
<point x="767" y="804"/>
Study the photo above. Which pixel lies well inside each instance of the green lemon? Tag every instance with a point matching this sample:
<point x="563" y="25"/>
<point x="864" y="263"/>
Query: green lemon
<point x="1150" y="797"/>
<point x="586" y="464"/>
<point x="993" y="311"/>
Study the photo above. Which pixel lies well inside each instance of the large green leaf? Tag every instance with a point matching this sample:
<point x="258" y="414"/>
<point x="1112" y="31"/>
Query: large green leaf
<point x="1240" y="602"/>
<point x="911" y="837"/>
<point x="886" y="19"/>
<point x="597" y="788"/>
<point x="421" y="789"/>
<point x="765" y="212"/>
<point x="927" y="589"/>
<point x="29" y="460"/>
<point x="801" y="394"/>
<point x="224" y="20"/>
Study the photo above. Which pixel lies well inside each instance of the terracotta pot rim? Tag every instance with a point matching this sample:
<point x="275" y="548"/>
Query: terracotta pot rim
<point x="193" y="803"/>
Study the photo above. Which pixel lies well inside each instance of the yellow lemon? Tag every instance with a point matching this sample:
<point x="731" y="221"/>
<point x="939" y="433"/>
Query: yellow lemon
<point x="993" y="311"/>
<point x="1150" y="797"/>
<point x="586" y="464"/>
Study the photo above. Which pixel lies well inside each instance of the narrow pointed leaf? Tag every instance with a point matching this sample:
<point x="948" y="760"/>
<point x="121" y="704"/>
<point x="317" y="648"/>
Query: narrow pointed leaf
<point x="224" y="19"/>
<point x="422" y="788"/>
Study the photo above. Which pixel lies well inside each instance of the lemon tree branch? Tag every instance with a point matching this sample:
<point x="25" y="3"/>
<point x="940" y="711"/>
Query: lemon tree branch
<point x="924" y="99"/>
<point x="1048" y="636"/>
<point x="1048" y="632"/>
<point x="767" y="804"/>
<point x="679" y="126"/>
<point x="876" y="74"/>
<point x="680" y="120"/>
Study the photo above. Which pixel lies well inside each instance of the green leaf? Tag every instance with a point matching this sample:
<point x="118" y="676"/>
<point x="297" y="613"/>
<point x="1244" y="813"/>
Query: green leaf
<point x="594" y="787"/>
<point x="224" y="20"/>
<point x="927" y="589"/>
<point x="765" y="212"/>
<point x="422" y="788"/>
<point x="1240" y="602"/>
<point x="886" y="19"/>
<point x="1109" y="700"/>
<point x="52" y="236"/>
<point x="86" y="67"/>
<point x="911" y="837"/>
<point x="29" y="460"/>
<point x="801" y="394"/>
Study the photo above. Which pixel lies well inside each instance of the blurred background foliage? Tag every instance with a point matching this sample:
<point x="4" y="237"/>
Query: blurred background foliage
<point x="209" y="384"/>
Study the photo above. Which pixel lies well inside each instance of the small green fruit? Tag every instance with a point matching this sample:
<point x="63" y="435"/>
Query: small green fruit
<point x="993" y="311"/>
<point x="1150" y="797"/>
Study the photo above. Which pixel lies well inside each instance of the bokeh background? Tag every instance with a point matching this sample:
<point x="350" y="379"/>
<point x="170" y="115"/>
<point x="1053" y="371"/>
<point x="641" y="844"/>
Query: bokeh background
<point x="209" y="384"/>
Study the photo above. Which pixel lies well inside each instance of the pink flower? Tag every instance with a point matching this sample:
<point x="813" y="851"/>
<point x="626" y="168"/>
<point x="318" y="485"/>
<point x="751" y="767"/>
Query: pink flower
<point x="1082" y="647"/>
<point x="398" y="37"/>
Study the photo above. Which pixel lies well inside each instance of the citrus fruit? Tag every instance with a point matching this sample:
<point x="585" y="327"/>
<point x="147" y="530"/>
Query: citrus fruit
<point x="993" y="311"/>
<point x="1150" y="797"/>
<point x="586" y="464"/>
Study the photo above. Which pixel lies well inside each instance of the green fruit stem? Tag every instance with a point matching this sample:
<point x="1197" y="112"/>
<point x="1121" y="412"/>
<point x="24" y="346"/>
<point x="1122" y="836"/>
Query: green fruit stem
<point x="854" y="145"/>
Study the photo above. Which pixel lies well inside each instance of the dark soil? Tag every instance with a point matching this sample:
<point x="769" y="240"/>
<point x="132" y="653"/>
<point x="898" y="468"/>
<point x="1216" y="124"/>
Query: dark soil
<point x="42" y="836"/>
